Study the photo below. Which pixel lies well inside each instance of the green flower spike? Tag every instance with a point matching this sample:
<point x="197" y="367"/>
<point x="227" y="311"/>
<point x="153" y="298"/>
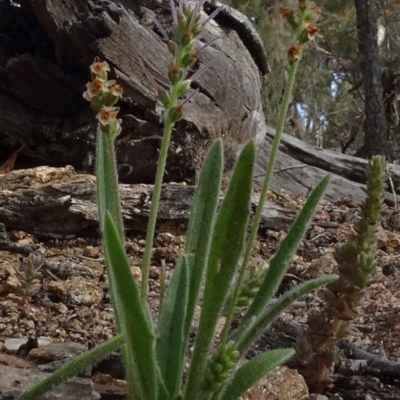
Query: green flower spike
<point x="220" y="366"/>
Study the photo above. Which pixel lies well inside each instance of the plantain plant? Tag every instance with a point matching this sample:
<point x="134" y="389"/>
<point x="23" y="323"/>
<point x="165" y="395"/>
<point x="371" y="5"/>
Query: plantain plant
<point x="356" y="263"/>
<point x="158" y="359"/>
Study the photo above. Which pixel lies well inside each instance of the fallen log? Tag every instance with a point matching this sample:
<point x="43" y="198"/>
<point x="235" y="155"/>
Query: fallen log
<point x="45" y="72"/>
<point x="58" y="203"/>
<point x="300" y="166"/>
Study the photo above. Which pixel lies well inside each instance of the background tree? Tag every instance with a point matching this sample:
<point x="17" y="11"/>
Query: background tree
<point x="375" y="127"/>
<point x="328" y="104"/>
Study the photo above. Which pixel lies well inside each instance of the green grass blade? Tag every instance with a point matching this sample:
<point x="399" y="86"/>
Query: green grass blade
<point x="170" y="343"/>
<point x="201" y="223"/>
<point x="226" y="248"/>
<point x="279" y="306"/>
<point x="74" y="368"/>
<point x="251" y="372"/>
<point x="280" y="262"/>
<point x="141" y="370"/>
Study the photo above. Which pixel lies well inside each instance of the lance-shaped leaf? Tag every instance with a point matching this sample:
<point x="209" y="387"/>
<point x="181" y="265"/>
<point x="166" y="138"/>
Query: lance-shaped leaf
<point x="170" y="342"/>
<point x="80" y="364"/>
<point x="201" y="223"/>
<point x="280" y="262"/>
<point x="278" y="307"/>
<point x="141" y="369"/>
<point x="251" y="372"/>
<point x="226" y="248"/>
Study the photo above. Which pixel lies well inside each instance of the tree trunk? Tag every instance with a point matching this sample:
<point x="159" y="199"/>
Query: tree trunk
<point x="375" y="128"/>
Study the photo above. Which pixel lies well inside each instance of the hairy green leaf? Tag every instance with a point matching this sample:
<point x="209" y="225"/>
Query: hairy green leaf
<point x="141" y="369"/>
<point x="201" y="223"/>
<point x="279" y="306"/>
<point x="226" y="248"/>
<point x="251" y="372"/>
<point x="280" y="262"/>
<point x="170" y="341"/>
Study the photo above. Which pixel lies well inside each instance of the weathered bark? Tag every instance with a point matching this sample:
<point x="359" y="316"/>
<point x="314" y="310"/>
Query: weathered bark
<point x="45" y="56"/>
<point x="301" y="166"/>
<point x="59" y="203"/>
<point x="284" y="332"/>
<point x="375" y="128"/>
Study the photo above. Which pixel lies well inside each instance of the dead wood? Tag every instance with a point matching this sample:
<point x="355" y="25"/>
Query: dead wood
<point x="44" y="63"/>
<point x="45" y="54"/>
<point x="13" y="381"/>
<point x="300" y="167"/>
<point x="58" y="203"/>
<point x="376" y="366"/>
<point x="283" y="334"/>
<point x="8" y="245"/>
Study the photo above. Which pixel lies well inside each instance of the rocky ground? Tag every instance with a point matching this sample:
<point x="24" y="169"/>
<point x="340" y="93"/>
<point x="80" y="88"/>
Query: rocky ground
<point x="69" y="301"/>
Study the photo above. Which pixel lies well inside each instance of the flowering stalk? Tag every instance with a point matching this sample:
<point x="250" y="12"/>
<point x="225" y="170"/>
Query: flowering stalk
<point x="302" y="22"/>
<point x="356" y="260"/>
<point x="220" y="367"/>
<point x="103" y="94"/>
<point x="187" y="27"/>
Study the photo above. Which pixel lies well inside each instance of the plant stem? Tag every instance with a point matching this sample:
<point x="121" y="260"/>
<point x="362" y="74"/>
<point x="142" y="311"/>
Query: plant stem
<point x="258" y="214"/>
<point x="323" y="370"/>
<point x="111" y="178"/>
<point x="108" y="200"/>
<point x="168" y="125"/>
<point x="162" y="287"/>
